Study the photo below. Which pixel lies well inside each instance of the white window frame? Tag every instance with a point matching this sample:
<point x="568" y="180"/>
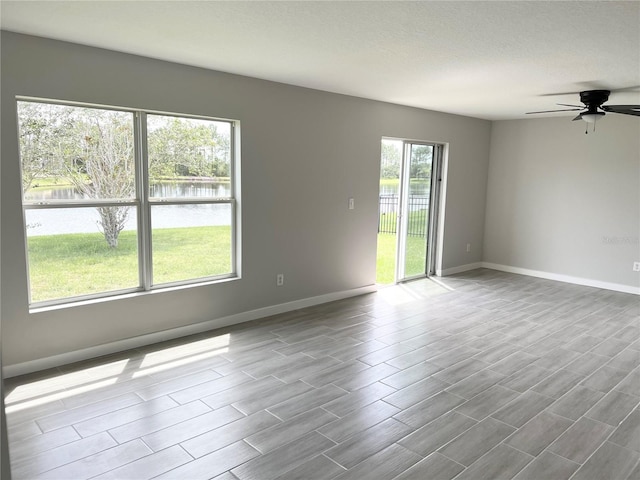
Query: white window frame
<point x="143" y="203"/>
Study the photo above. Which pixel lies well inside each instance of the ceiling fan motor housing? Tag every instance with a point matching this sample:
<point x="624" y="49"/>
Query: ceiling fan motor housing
<point x="594" y="99"/>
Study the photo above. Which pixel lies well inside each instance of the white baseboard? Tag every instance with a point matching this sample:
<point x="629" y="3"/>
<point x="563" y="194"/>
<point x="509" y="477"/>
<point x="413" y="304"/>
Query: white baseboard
<point x="151" y="338"/>
<point x="458" y="269"/>
<point x="563" y="278"/>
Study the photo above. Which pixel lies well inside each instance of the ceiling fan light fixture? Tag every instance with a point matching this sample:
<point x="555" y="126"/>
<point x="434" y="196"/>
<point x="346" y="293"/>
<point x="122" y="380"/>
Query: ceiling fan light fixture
<point x="592" y="117"/>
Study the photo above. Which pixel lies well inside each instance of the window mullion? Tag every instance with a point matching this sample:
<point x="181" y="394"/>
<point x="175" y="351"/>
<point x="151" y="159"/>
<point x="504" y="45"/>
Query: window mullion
<point x="144" y="216"/>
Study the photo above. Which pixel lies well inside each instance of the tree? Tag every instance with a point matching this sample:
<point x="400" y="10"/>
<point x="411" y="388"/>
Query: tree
<point x="180" y="147"/>
<point x="42" y="135"/>
<point x="391" y="157"/>
<point x="421" y="156"/>
<point x="91" y="148"/>
<point x="105" y="169"/>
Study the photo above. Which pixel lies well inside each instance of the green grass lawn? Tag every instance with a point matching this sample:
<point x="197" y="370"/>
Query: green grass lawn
<point x="386" y="261"/>
<point x="69" y="265"/>
<point x="386" y="257"/>
<point x="196" y="252"/>
<point x="416" y="247"/>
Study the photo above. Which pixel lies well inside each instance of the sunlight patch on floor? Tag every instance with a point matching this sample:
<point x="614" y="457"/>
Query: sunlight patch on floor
<point x="67" y="385"/>
<point x="408" y="292"/>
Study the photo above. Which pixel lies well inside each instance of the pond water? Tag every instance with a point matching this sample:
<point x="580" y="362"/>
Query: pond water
<point x="414" y="189"/>
<point x="85" y="220"/>
<point x="158" y="190"/>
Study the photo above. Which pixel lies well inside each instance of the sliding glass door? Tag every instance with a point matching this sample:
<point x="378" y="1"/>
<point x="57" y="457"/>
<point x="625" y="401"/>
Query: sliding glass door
<point x="408" y="197"/>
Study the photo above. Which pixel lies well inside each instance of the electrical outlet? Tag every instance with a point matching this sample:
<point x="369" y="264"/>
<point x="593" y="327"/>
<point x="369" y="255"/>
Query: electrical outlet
<point x="468" y="247"/>
<point x="636" y="266"/>
<point x="280" y="279"/>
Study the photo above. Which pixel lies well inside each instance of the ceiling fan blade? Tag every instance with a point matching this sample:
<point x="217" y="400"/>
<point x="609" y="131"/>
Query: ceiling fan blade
<point x="579" y="117"/>
<point x="567" y="105"/>
<point x="593" y="86"/>
<point x="624" y="109"/>
<point x="563" y="110"/>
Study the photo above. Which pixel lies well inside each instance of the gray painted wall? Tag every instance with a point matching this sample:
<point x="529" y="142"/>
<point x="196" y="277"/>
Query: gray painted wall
<point x="304" y="153"/>
<point x="5" y="464"/>
<point x="563" y="202"/>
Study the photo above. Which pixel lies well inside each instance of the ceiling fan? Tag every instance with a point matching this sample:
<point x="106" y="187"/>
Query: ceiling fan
<point x="593" y="108"/>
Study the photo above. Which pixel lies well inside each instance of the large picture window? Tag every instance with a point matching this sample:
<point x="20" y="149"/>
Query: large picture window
<point x="119" y="201"/>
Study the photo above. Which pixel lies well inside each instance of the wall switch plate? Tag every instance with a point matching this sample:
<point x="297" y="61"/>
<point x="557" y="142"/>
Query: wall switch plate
<point x="280" y="279"/>
<point x="468" y="247"/>
<point x="352" y="203"/>
<point x="636" y="266"/>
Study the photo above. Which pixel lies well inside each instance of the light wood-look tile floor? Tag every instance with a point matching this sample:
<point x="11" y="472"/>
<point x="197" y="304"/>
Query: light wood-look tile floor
<point x="485" y="375"/>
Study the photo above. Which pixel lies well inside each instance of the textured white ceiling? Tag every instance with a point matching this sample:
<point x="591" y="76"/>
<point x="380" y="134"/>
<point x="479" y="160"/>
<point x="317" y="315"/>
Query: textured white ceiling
<point x="493" y="60"/>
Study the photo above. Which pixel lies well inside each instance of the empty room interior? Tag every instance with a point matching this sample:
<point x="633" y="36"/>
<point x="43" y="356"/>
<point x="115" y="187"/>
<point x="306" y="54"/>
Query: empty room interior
<point x="320" y="240"/>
